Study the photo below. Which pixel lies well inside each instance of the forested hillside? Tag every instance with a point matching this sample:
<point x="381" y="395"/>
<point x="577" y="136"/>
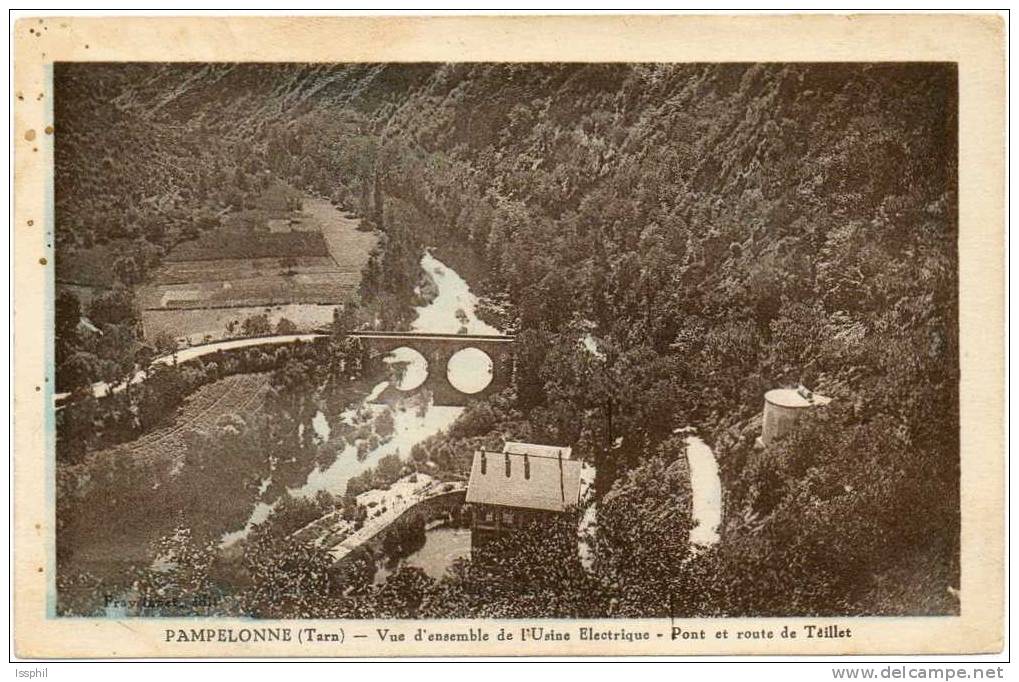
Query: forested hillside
<point x="715" y="230"/>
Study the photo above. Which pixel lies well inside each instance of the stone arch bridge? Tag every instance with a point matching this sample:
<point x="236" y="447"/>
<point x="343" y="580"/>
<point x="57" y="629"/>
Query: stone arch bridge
<point x="438" y="350"/>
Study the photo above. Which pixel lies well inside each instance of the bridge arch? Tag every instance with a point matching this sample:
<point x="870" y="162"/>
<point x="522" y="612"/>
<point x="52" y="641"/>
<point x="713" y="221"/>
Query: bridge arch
<point x="439" y="350"/>
<point x="470" y="370"/>
<point x="413" y="371"/>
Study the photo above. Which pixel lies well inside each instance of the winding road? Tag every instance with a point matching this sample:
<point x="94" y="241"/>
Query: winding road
<point x="101" y="389"/>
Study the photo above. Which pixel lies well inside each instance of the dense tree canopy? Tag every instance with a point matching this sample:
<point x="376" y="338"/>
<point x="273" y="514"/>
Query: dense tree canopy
<point x="667" y="242"/>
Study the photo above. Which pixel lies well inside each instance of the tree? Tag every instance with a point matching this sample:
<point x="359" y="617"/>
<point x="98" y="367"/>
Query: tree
<point x="154" y="230"/>
<point x="285" y="326"/>
<point x="712" y="249"/>
<point x="293" y="390"/>
<point x="160" y="395"/>
<point x="833" y="506"/>
<point x="345" y="318"/>
<point x="67" y="315"/>
<point x="291" y="514"/>
<point x="404" y="537"/>
<point x="642" y="542"/>
<point x="115" y="306"/>
<point x="78" y="372"/>
<point x="384" y="424"/>
<point x="116" y="349"/>
<point x="405" y="594"/>
<point x="240" y="179"/>
<point x="256" y="325"/>
<point x="378" y="213"/>
<point x="534" y="572"/>
<point x="165" y="345"/>
<point x="289" y="579"/>
<point x="178" y="582"/>
<point x="389" y="468"/>
<point x="127" y="270"/>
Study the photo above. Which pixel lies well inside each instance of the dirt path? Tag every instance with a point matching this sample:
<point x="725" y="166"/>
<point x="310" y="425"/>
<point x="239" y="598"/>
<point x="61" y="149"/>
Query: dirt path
<point x="348" y="246"/>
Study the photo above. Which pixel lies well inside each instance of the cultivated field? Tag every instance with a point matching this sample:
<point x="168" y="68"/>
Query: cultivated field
<point x="236" y="244"/>
<point x="102" y="546"/>
<point x="249" y="283"/>
<point x="240" y="394"/>
<point x="299" y="267"/>
<point x="211" y="324"/>
<point x="209" y="270"/>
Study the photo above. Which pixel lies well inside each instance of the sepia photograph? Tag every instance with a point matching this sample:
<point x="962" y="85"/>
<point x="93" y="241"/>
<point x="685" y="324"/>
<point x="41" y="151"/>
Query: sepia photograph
<point x="583" y="350"/>
<point x="506" y="340"/>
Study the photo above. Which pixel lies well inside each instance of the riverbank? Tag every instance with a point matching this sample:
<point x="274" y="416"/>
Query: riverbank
<point x="101" y="389"/>
<point x="365" y="433"/>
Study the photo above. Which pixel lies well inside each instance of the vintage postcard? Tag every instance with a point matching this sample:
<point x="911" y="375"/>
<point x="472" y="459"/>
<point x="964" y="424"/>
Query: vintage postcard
<point x="493" y="336"/>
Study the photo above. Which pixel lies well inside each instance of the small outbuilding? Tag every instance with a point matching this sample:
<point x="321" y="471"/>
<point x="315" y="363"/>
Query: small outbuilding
<point x="526" y="481"/>
<point x="783" y="407"/>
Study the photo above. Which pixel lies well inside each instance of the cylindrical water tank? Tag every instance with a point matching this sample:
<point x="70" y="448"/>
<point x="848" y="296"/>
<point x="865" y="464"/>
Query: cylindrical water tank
<point x="783" y="408"/>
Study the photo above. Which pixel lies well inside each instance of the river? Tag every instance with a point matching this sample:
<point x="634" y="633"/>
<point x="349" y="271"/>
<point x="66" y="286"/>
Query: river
<point x="450" y="311"/>
<point x="453" y="310"/>
<point x="443" y="546"/>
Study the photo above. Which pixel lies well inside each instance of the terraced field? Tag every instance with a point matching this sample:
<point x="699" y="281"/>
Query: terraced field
<point x="230" y="244"/>
<point x="204" y="325"/>
<point x="241" y="394"/>
<point x="300" y="272"/>
<point x="319" y="284"/>
<point x="105" y="543"/>
<point x="225" y="269"/>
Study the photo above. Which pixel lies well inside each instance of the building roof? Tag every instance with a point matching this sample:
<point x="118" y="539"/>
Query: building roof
<point x="792" y="397"/>
<point x="515" y="448"/>
<point x="534" y="481"/>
